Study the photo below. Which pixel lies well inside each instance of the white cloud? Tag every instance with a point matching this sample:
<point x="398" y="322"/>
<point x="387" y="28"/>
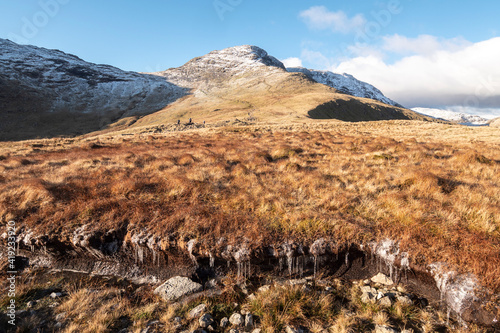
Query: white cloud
<point x="320" y="18"/>
<point x="443" y="75"/>
<point x="316" y="57"/>
<point x="292" y="62"/>
<point x="423" y="44"/>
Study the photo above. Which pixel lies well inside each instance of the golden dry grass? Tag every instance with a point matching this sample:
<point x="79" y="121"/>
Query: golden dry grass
<point x="434" y="187"/>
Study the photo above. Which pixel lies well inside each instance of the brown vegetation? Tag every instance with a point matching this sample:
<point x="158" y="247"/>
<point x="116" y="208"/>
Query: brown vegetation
<point x="438" y="195"/>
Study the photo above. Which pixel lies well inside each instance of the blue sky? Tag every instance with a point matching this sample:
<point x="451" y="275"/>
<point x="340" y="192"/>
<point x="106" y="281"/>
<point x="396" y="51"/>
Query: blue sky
<point x="438" y="43"/>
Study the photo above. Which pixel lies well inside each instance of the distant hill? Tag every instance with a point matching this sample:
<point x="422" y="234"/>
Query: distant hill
<point x="495" y="122"/>
<point x="456" y="117"/>
<point x="47" y="93"/>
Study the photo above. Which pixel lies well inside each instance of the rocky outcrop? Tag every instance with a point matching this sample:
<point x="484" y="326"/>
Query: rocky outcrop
<point x="178" y="287"/>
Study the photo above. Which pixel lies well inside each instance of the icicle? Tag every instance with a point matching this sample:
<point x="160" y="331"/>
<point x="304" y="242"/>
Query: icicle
<point x="302" y="265"/>
<point x="289" y="261"/>
<point x="212" y="260"/>
<point x="140" y="254"/>
<point x="315" y="265"/>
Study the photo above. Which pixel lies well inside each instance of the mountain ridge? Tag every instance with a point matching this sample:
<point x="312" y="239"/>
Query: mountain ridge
<point x="47" y="93"/>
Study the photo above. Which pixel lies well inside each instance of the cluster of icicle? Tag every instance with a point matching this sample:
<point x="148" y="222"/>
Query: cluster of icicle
<point x="388" y="255"/>
<point x="458" y="291"/>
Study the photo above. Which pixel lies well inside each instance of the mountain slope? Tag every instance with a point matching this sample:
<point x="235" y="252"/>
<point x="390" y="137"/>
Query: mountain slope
<point x="345" y="83"/>
<point x="48" y="93"/>
<point x="244" y="80"/>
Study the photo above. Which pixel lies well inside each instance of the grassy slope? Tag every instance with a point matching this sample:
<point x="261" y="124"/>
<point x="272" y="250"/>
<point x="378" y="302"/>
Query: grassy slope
<point x="433" y="186"/>
<point x="273" y="98"/>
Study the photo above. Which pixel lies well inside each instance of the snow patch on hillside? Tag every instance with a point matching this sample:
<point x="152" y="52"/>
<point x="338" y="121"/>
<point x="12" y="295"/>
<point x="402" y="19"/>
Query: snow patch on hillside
<point x="456" y="117"/>
<point x="346" y="84"/>
<point x="65" y="83"/>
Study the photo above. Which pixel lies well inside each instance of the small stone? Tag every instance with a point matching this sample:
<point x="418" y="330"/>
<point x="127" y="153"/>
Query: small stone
<point x="405" y="300"/>
<point x="244" y="312"/>
<point x="55" y="295"/>
<point x="31" y="304"/>
<point x="234" y="330"/>
<point x="197" y="311"/>
<point x="382" y="279"/>
<point x="252" y="297"/>
<point x="248" y="320"/>
<point x="206" y="320"/>
<point x="385" y="302"/>
<point x="368" y="289"/>
<point x="224" y="322"/>
<point x="177" y="322"/>
<point x="53" y="305"/>
<point x="60" y="316"/>
<point x="366" y="282"/>
<point x="401" y="289"/>
<point x="329" y="289"/>
<point x="257" y="330"/>
<point x="368" y="298"/>
<point x="236" y="319"/>
<point x="290" y="329"/>
<point x="58" y="325"/>
<point x="297" y="282"/>
<point x="384" y="329"/>
<point x="263" y="289"/>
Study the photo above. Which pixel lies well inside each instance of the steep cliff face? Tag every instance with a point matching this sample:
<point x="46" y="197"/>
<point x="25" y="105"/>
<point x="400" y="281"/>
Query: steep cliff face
<point x="48" y="92"/>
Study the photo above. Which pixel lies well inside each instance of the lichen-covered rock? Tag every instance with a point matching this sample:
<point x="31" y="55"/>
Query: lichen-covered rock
<point x="197" y="311"/>
<point x="177" y="287"/>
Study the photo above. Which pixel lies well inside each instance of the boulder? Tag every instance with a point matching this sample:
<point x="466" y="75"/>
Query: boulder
<point x="382" y="279"/>
<point x="177" y="287"/>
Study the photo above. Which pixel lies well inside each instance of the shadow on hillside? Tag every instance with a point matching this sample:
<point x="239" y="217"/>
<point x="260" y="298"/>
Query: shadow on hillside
<point x="26" y="113"/>
<point x="354" y="110"/>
